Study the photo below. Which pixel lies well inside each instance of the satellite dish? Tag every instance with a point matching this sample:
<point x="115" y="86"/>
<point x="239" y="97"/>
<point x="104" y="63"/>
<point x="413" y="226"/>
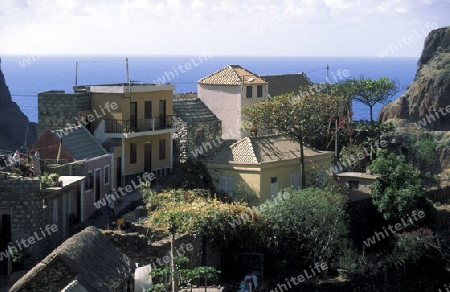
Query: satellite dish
<point x="251" y="79"/>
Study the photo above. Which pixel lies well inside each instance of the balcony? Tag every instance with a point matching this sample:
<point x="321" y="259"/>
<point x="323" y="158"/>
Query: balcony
<point x="139" y="125"/>
<point x="114" y="128"/>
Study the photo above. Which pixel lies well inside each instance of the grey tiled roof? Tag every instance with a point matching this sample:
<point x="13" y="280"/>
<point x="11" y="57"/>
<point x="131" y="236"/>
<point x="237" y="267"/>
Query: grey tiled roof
<point x="193" y="110"/>
<point x="263" y="149"/>
<point x="232" y="75"/>
<point x="80" y="143"/>
<point x="286" y="83"/>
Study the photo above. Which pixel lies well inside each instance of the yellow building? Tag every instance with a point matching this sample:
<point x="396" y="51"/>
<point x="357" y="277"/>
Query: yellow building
<point x="265" y="164"/>
<point x="134" y="122"/>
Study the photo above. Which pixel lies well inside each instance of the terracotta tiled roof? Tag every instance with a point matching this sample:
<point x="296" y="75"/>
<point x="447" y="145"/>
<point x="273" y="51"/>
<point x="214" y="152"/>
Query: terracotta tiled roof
<point x="263" y="149"/>
<point x="232" y="75"/>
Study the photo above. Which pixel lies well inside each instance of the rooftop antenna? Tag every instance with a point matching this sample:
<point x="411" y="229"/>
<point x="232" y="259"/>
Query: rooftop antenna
<point x="76" y="73"/>
<point x="128" y="73"/>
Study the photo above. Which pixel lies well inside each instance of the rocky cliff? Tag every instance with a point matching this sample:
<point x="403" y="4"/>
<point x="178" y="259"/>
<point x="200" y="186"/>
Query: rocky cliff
<point x="424" y="102"/>
<point x="424" y="109"/>
<point x="14" y="125"/>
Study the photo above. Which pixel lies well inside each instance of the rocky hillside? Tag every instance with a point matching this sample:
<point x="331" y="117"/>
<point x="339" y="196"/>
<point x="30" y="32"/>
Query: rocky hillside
<point x="14" y="124"/>
<point x="424" y="108"/>
<point x="424" y="102"/>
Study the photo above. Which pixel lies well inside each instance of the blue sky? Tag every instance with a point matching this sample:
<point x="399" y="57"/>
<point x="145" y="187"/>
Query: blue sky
<point x="232" y="27"/>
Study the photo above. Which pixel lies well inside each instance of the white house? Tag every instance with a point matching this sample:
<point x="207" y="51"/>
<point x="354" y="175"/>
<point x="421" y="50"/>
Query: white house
<point x="227" y="91"/>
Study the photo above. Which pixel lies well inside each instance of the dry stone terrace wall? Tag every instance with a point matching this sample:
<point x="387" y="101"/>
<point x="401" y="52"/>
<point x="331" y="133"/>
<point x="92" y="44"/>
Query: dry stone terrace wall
<point x="138" y="249"/>
<point x="57" y="108"/>
<point x="196" y="138"/>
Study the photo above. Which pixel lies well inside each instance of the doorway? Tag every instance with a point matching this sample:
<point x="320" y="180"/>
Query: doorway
<point x="162" y="114"/>
<point x="5" y="237"/>
<point x="133" y="115"/>
<point x="148" y="157"/>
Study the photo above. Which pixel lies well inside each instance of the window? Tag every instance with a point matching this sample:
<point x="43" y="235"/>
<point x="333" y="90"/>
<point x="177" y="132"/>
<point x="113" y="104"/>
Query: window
<point x="148" y="110"/>
<point x="249" y="92"/>
<point x="296" y="180"/>
<point x="226" y="184"/>
<point x="133" y="153"/>
<point x="162" y="149"/>
<point x="259" y="91"/>
<point x="273" y="186"/>
<point x="353" y="184"/>
<point x="89" y="181"/>
<point x="106" y="170"/>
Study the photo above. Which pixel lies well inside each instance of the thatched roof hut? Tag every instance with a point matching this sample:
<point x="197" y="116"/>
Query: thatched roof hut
<point x="88" y="257"/>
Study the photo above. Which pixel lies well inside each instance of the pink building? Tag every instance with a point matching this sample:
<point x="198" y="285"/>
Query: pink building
<point x="75" y="152"/>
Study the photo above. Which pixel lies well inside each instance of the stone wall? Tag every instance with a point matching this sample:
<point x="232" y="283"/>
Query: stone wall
<point x="180" y="149"/>
<point x="75" y="168"/>
<point x="22" y="200"/>
<point x="140" y="250"/>
<point x="57" y="108"/>
<point x="31" y="209"/>
<point x="196" y="139"/>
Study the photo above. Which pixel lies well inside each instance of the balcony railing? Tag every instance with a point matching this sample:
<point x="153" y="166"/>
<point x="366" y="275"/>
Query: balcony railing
<point x="139" y="125"/>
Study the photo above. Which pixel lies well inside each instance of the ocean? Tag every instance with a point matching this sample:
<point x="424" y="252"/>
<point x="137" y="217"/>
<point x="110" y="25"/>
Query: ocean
<point x="28" y="75"/>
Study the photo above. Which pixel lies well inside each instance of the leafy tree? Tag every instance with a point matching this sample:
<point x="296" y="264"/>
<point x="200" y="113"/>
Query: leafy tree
<point x="373" y="131"/>
<point x="191" y="212"/>
<point x="370" y="92"/>
<point x="423" y="154"/>
<point x="398" y="191"/>
<point x="301" y="118"/>
<point x="310" y="223"/>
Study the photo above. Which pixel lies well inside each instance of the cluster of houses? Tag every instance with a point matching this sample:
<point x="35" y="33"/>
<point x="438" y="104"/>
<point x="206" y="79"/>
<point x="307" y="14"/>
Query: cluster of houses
<point x="102" y="137"/>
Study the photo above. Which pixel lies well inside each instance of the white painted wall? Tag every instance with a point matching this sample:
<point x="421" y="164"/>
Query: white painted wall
<point x="224" y="102"/>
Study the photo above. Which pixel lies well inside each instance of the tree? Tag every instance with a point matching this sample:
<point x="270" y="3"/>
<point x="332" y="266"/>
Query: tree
<point x="301" y="118"/>
<point x="310" y="223"/>
<point x="370" y="92"/>
<point x="398" y="191"/>
<point x="191" y="212"/>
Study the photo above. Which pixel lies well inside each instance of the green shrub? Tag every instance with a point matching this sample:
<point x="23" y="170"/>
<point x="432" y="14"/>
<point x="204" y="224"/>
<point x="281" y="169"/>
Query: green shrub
<point x="416" y="245"/>
<point x="311" y="223"/>
<point x="398" y="191"/>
